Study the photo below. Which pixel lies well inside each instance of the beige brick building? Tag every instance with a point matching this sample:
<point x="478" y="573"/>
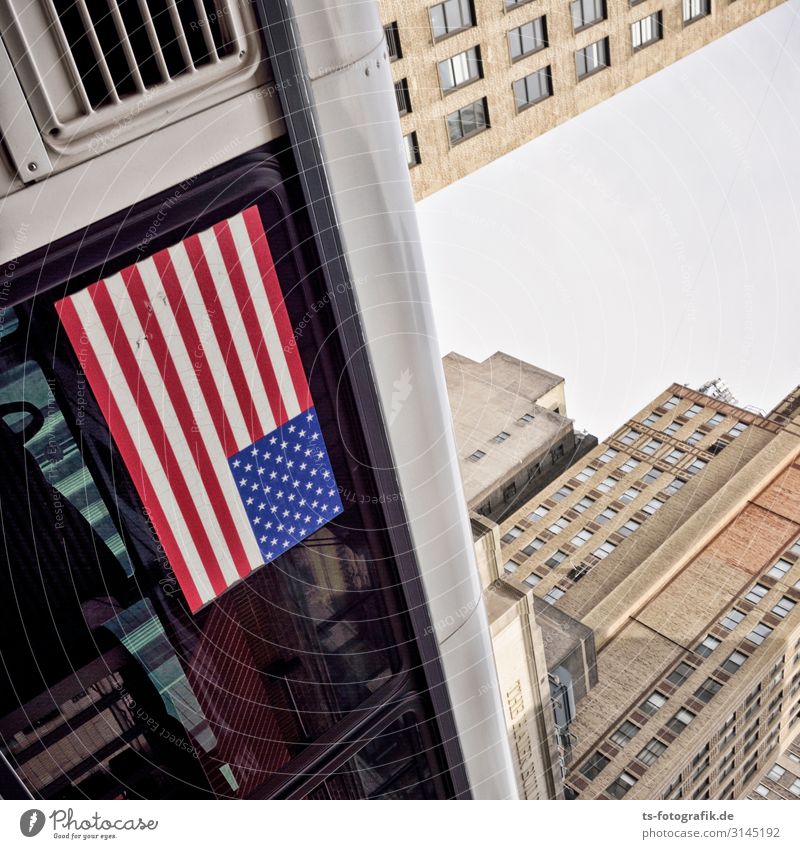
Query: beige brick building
<point x="675" y="543"/>
<point x="511" y="428"/>
<point x="478" y="78"/>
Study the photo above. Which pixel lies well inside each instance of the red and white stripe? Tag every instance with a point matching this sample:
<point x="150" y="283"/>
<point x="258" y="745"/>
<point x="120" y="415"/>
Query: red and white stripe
<point x="191" y="356"/>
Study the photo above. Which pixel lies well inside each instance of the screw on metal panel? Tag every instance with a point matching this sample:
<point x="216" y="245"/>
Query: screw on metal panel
<point x="32" y="166"/>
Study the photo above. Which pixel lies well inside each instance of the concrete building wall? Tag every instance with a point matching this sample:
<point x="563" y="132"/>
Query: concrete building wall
<point x="443" y="163"/>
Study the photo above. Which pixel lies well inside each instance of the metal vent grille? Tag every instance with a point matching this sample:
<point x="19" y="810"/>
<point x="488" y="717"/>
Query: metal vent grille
<point x="97" y="72"/>
<point x="120" y="48"/>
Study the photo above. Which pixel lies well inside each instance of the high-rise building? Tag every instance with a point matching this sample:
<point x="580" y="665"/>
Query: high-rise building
<point x="475" y="79"/>
<point x="676" y="541"/>
<point x="512" y="431"/>
<point x="235" y="564"/>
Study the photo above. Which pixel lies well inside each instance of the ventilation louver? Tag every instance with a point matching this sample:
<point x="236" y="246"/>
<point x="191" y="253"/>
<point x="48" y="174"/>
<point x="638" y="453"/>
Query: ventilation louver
<point x="88" y="65"/>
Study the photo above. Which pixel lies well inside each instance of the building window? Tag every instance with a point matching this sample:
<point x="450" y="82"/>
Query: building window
<point x="533" y="579"/>
<point x="607" y="484"/>
<point x="630" y="437"/>
<point x="629" y="495"/>
<point x="794" y="787"/>
<point x="629" y="465"/>
<point x="558" y="525"/>
<point x="525" y="418"/>
<point x="468" y="121"/>
<point x="716" y="419"/>
<point x="651" y="752"/>
<point x="580" y="538"/>
<point x="759" y="633"/>
<point x="539" y="513"/>
<point x="671" y="429"/>
<point x="776" y="773"/>
<point x="652" y="505"/>
<point x="604" y="550"/>
<point x="608" y="455"/>
<point x="707" y="690"/>
<point x="592" y="58"/>
<point x="585" y="474"/>
<point x="731" y="619"/>
<point x="674" y="456"/>
<point x="696" y="437"/>
<point x="671" y="402"/>
<point x="605" y="516"/>
<point x="674" y="486"/>
<point x="510" y="566"/>
<point x="584" y="504"/>
<point x="646" y="31"/>
<point x="501" y="437"/>
<point x="533" y="546"/>
<point x="756" y="593"/>
<point x="693" y="411"/>
<point x="587" y="12"/>
<point x="402" y="96"/>
<point x="652" y="446"/>
<point x="696" y="466"/>
<point x="554" y="595"/>
<point x="628" y="528"/>
<point x="652" y="476"/>
<point x="528" y="38"/>
<point x="681" y="719"/>
<point x="653" y="703"/>
<point x="555" y="558"/>
<point x="681" y="672"/>
<point x="694" y="9"/>
<point x="779" y="569"/>
<point x="411" y="146"/>
<point x="734" y="662"/>
<point x="651" y="419"/>
<point x="594" y="766"/>
<point x="450" y="17"/>
<point x="562" y="493"/>
<point x="511" y="534"/>
<point x="621" y="785"/>
<point x="738" y="428"/>
<point x="477" y="455"/>
<point x="624" y="734"/>
<point x="783" y="607"/>
<point x="393" y="41"/>
<point x="708" y="645"/>
<point x="460" y="70"/>
<point x="532" y="89"/>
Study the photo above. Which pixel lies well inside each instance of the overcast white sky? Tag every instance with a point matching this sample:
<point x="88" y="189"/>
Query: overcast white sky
<point x="652" y="239"/>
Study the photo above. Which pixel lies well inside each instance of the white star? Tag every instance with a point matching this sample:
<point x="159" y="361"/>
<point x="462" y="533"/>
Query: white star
<point x="302" y="433"/>
<point x="308" y="485"/>
<point x="280" y="527"/>
<point x="266" y="490"/>
<point x="296" y="516"/>
<point x="256" y="520"/>
<point x="302" y="502"/>
<point x="262" y="539"/>
<point x="279" y="459"/>
<point x="307" y="519"/>
<point x="286" y="543"/>
<point x="267" y="455"/>
<point x="260" y="470"/>
<point x="268" y="525"/>
<point x="295" y="484"/>
<point x="297" y="446"/>
<point x="284" y="478"/>
<point x="254" y="452"/>
<point x="319" y="520"/>
<point x="313" y="473"/>
<point x="314" y="503"/>
<point x="291" y="496"/>
<point x="249" y="501"/>
<point x="289" y="464"/>
<point x="284" y="444"/>
<point x="279" y="493"/>
<point x="248" y="467"/>
<point x="292" y="428"/>
<point x="285" y="513"/>
<point x="319" y="455"/>
<point x="319" y="490"/>
<point x="331" y="493"/>
<point x="273" y="509"/>
<point x="314" y="436"/>
<point x="254" y="487"/>
<point x="237" y="463"/>
<point x="324" y="508"/>
<point x="273" y="440"/>
<point x="262" y="506"/>
<point x="291" y="530"/>
<point x="309" y="417"/>
<point x="273" y="541"/>
<point x="270" y="554"/>
<point x="272" y="475"/>
<point x="326" y="474"/>
<point x="303" y="466"/>
<point x="243" y="481"/>
<point x="307" y="452"/>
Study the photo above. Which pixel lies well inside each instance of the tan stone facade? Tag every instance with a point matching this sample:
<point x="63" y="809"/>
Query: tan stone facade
<point x="688" y="512"/>
<point x="441" y="161"/>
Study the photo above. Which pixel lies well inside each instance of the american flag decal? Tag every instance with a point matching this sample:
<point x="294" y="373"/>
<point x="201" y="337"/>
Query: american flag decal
<point x="192" y="359"/>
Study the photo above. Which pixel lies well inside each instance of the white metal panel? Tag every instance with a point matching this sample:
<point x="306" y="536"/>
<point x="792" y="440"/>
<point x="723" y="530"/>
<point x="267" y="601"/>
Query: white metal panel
<point x="359" y="131"/>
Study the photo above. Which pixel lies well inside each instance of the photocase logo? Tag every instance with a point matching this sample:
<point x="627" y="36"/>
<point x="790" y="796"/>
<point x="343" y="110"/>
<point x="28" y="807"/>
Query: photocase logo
<point x="31" y="822"/>
<point x="401" y="390"/>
